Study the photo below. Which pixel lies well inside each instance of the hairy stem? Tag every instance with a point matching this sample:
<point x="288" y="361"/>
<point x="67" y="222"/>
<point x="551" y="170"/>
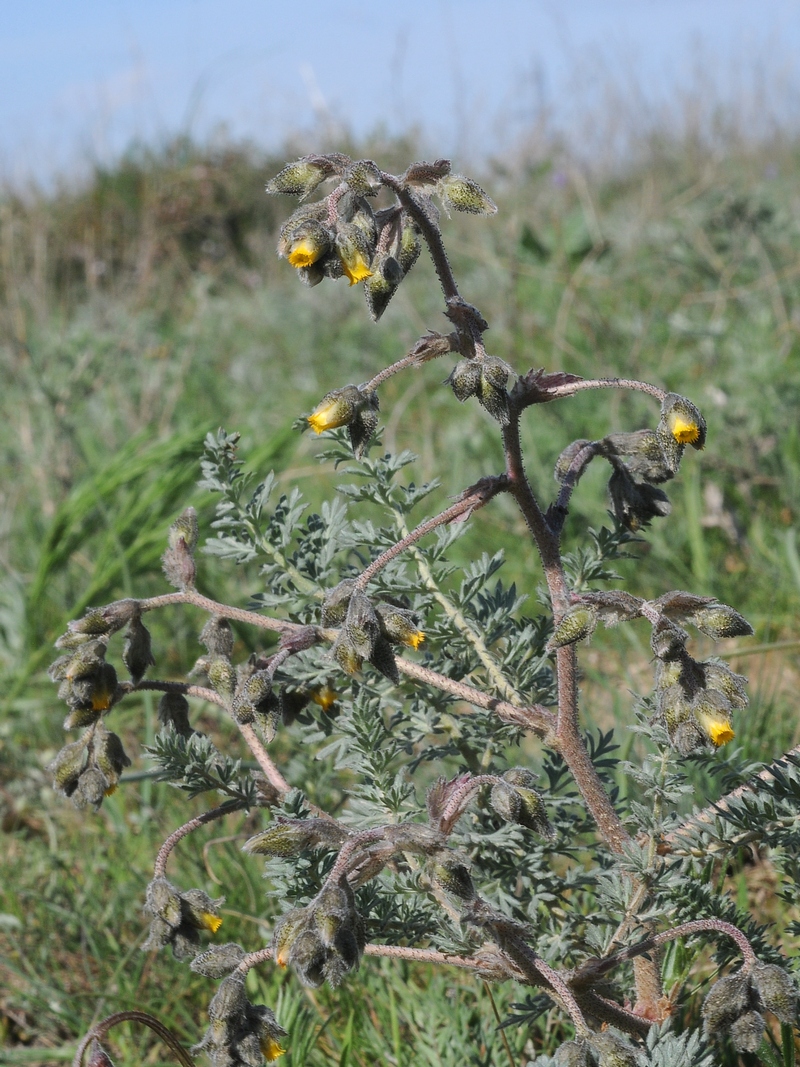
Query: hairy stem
<point x="160" y="866"/>
<point x="99" y="1031"/>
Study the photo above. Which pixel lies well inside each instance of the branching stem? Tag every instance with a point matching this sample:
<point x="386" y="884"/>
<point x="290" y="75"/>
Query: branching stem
<point x="160" y="866"/>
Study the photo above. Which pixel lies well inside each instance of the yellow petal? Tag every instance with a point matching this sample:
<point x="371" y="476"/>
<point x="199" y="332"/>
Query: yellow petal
<point x="415" y="639"/>
<point x="324" y="697"/>
<point x="684" y="432"/>
<point x="271" y="1049"/>
<point x="304" y="253"/>
<point x="356" y="269"/>
<point x="210" y="921"/>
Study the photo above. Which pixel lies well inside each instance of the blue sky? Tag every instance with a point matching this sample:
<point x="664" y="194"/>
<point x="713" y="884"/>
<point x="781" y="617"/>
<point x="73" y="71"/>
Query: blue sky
<point x="80" y="79"/>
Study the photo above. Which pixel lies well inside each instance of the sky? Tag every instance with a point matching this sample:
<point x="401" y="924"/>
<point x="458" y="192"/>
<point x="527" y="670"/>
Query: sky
<point x="81" y="79"/>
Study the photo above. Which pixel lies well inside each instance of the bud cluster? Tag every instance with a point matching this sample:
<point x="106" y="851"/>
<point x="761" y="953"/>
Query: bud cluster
<point x="644" y="459"/>
<point x="355" y="408"/>
<point x="695" y="700"/>
<point x="735" y="1004"/>
<point x="240" y="1034"/>
<point x="323" y="941"/>
<point x="341" y="235"/>
<point x="486" y="378"/>
<point x="515" y="800"/>
<point x="179" y="917"/>
<point x="368" y="632"/>
<point x="89" y="769"/>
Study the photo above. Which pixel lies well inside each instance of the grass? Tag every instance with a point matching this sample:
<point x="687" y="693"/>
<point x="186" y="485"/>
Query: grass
<point x="148" y="308"/>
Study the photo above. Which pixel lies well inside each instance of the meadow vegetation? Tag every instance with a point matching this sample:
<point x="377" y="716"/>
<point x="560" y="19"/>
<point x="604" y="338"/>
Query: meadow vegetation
<point x="146" y="308"/>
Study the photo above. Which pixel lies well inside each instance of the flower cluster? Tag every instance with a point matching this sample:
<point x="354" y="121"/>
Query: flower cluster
<point x="341" y="236"/>
<point x="735" y="1004"/>
<point x="694" y="700"/>
<point x="323" y="941"/>
<point x="355" y="408"/>
<point x="486" y="378"/>
<point x="89" y="769"/>
<point x="643" y="460"/>
<point x="368" y="632"/>
<point x="240" y="1034"/>
<point x="179" y="917"/>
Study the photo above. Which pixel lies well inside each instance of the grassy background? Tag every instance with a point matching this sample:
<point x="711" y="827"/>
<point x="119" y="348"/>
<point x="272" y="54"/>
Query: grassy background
<point x="147" y="307"/>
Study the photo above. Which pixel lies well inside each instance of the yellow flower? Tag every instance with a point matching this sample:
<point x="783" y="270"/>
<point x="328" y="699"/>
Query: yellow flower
<point x="716" y="727"/>
<point x="685" y="431"/>
<point x="336" y="408"/>
<point x="355" y="267"/>
<point x="209" y="921"/>
<point x="415" y="639"/>
<point x="271" y="1048"/>
<point x="325" y="697"/>
<point x="304" y="252"/>
<point x="329" y="416"/>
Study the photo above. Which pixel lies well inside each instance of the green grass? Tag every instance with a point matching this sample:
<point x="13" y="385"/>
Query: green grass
<point x="148" y="308"/>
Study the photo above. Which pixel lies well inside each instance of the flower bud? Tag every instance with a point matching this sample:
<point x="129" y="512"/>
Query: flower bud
<point x="308" y="956"/>
<point x="92" y="787"/>
<point x="354" y="251"/>
<point x="110" y="756"/>
<point x="576" y="625"/>
<point x="93" y="623"/>
<point x="336" y="408"/>
<point x="222" y="676"/>
<point x="361" y="626"/>
<point x="747" y="1031"/>
<point x="683" y="421"/>
<point x="201" y="911"/>
<point x="723" y="680"/>
<point x="334" y="606"/>
<point x="635" y="504"/>
<point x="400" y="625"/>
<point x="463" y="194"/>
<point x="381" y="286"/>
<point x="306" y="244"/>
<point x="465" y="379"/>
<point x="286" y="931"/>
<point x="163" y="901"/>
<point x="71" y="641"/>
<point x="363" y="177"/>
<point x="173" y="710"/>
<point x="410" y="247"/>
<point x="285" y="840"/>
<point x="573" y="1054"/>
<point x="86" y="662"/>
<point x="613" y="1051"/>
<point x="382" y="659"/>
<point x="491" y="392"/>
<point x="218" y="961"/>
<point x="346" y="656"/>
<point x="451" y="874"/>
<point x="297" y="179"/>
<point x="229" y="1001"/>
<point x="364" y="423"/>
<point x="520" y="776"/>
<point x="217" y="636"/>
<point x="668" y="640"/>
<point x="184" y="531"/>
<point x="253" y="697"/>
<point x="727" y="999"/>
<point x="178" y="562"/>
<point x="68" y="766"/>
<point x="777" y="991"/>
<point x="712" y="713"/>
<point x="267" y="1031"/>
<point x="643" y="454"/>
<point x="720" y="621"/>
<point x="137" y="653"/>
